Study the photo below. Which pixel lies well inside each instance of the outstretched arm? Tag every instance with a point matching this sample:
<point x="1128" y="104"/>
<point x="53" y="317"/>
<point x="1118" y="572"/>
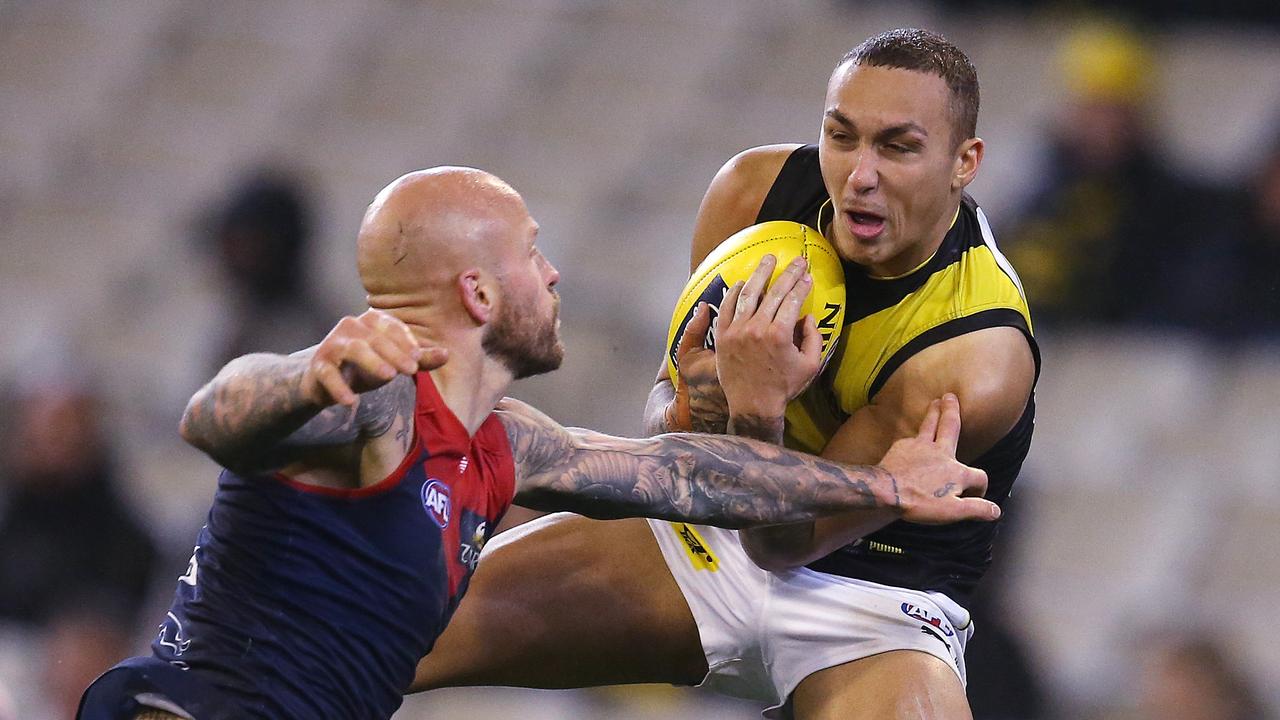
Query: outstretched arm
<point x="987" y="372"/>
<point x="730" y="482"/>
<point x="265" y="411"/>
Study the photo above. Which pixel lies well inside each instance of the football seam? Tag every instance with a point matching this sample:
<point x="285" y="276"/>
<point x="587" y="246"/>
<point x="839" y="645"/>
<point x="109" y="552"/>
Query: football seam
<point x="804" y="243"/>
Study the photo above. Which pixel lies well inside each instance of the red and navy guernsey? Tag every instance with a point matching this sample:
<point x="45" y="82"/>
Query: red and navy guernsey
<point x="307" y="602"/>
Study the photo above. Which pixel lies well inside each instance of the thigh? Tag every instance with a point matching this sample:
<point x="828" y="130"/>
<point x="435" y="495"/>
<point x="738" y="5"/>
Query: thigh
<point x="897" y="685"/>
<point x="569" y="602"/>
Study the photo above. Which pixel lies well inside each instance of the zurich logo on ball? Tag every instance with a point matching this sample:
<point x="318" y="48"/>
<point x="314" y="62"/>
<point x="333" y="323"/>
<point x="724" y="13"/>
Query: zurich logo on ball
<point x="435" y="500"/>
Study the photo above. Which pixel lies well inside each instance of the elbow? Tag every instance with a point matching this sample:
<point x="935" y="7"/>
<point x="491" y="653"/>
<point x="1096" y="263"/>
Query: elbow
<point x="195" y="426"/>
<point x="189" y="426"/>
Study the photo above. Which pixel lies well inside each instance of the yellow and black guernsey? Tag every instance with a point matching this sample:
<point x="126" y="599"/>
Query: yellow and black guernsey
<point x="966" y="285"/>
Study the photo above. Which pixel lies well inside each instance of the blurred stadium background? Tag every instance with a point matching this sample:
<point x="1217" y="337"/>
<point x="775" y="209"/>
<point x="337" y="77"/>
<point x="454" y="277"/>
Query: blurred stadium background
<point x="181" y="181"/>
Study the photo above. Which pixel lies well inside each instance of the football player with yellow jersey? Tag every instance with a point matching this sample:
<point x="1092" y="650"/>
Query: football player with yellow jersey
<point x="849" y="617"/>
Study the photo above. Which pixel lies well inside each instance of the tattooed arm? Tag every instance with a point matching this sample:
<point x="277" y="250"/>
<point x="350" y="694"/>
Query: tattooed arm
<point x="319" y="406"/>
<point x="987" y="372"/>
<point x="730" y="482"/>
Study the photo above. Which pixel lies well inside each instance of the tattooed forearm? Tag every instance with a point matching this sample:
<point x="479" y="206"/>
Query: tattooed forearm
<point x="253" y="403"/>
<point x="255" y="414"/>
<point x="731" y="482"/>
<point x="761" y="427"/>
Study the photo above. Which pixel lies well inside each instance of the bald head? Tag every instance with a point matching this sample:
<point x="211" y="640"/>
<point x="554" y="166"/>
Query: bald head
<point x="451" y="252"/>
<point x="429" y="225"/>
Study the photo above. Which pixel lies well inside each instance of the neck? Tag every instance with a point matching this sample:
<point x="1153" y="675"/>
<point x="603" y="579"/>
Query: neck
<point x="471" y="383"/>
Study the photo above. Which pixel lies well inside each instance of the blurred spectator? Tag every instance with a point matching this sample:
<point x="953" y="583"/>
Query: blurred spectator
<point x="69" y="540"/>
<point x="1111" y="235"/>
<point x="82" y="642"/>
<point x="1250" y="13"/>
<point x="1004" y="682"/>
<point x="1191" y="678"/>
<point x="1260" y="235"/>
<point x="261" y="238"/>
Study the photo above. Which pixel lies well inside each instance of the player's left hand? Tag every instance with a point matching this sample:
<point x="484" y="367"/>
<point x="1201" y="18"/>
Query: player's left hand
<point x="930" y="486"/>
<point x="765" y="353"/>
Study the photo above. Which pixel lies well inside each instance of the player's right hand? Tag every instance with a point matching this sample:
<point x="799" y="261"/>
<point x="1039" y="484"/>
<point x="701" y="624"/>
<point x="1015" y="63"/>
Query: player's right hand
<point x="932" y="487"/>
<point x="758" y="360"/>
<point x="699" y="403"/>
<point x="363" y="353"/>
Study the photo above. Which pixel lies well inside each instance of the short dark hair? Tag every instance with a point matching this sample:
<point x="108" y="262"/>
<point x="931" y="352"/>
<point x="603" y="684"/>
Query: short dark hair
<point x="927" y="52"/>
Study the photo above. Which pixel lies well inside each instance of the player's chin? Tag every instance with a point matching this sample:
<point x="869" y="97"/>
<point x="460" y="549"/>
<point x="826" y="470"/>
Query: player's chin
<point x="555" y="354"/>
<point x="857" y="251"/>
<point x="545" y="358"/>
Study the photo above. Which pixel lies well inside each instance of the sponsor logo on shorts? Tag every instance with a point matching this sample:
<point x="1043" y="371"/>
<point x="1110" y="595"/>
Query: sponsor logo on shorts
<point x="699" y="554"/>
<point x="924" y="616"/>
<point x="934" y="633"/>
<point x="435" y="500"/>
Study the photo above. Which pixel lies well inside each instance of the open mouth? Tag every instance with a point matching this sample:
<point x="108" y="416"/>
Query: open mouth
<point x="864" y="225"/>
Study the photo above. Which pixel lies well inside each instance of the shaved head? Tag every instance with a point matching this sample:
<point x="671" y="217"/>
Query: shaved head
<point x="428" y="226"/>
<point x="454" y="247"/>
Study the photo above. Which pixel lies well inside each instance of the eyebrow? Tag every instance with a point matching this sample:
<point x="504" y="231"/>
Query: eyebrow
<point x="890" y="131"/>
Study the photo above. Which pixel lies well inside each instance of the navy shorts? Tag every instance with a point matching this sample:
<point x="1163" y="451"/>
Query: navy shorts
<point x="114" y="695"/>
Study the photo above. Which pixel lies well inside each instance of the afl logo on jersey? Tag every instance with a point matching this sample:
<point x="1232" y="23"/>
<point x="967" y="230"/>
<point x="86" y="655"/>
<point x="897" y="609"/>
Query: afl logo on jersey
<point x="435" y="500"/>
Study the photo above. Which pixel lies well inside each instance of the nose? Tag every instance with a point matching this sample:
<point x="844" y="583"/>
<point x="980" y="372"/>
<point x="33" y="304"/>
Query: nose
<point x="550" y="273"/>
<point x="865" y="175"/>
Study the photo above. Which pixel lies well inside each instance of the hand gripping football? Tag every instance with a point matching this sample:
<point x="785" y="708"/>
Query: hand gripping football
<point x="737" y="257"/>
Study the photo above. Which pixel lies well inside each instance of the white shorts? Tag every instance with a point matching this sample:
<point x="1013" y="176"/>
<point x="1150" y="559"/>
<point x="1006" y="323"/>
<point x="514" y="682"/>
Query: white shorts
<point x="764" y="632"/>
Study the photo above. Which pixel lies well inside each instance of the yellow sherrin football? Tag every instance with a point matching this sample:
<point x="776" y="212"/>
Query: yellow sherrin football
<point x="736" y="258"/>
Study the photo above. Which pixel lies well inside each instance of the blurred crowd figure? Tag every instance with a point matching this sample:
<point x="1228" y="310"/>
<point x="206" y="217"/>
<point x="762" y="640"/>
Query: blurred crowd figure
<point x="1189" y="676"/>
<point x="1005" y="681"/>
<point x="1192" y="677"/>
<point x="1112" y="236"/>
<point x="1258" y="214"/>
<point x="77" y="563"/>
<point x="261" y="240"/>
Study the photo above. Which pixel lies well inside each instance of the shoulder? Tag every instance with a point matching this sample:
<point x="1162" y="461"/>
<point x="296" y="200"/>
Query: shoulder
<point x="761" y="163"/>
<point x="735" y="195"/>
<point x="747" y="176"/>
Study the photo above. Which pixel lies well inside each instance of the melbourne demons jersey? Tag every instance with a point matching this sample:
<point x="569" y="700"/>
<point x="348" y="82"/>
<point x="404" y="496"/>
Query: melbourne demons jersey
<point x="308" y="602"/>
<point x="967" y="285"/>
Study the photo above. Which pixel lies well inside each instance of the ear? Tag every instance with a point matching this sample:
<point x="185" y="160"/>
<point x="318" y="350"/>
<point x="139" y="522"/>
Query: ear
<point x="477" y="298"/>
<point x="968" y="158"/>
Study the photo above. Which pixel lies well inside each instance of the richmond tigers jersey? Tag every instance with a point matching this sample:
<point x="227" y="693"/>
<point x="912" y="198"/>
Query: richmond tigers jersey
<point x="967" y="285"/>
